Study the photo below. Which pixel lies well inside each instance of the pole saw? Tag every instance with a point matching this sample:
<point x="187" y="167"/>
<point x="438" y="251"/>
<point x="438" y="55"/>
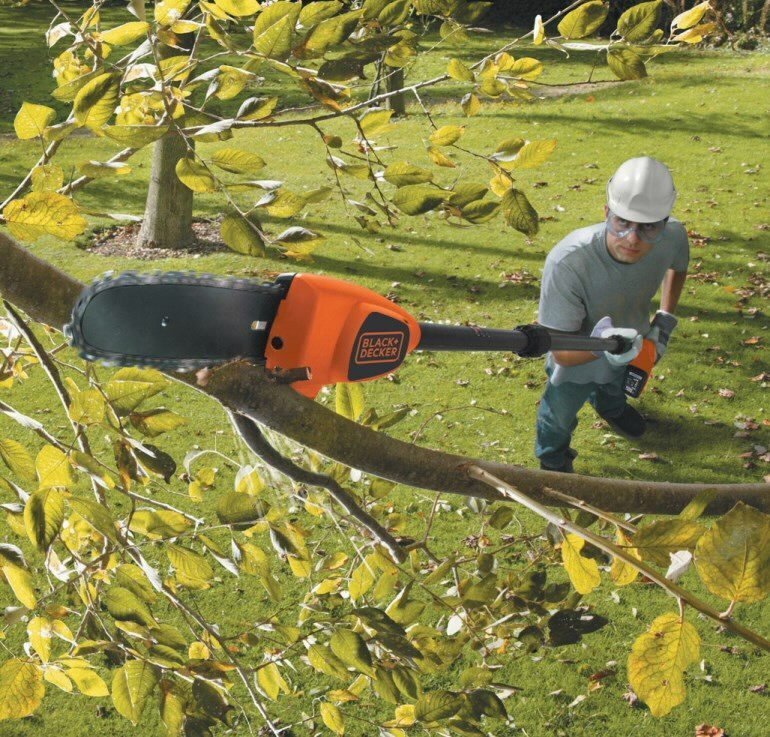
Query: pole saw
<point x="315" y="328"/>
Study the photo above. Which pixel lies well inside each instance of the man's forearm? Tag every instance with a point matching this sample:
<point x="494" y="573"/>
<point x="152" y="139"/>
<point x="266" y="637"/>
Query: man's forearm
<point x="573" y="358"/>
<point x="671" y="290"/>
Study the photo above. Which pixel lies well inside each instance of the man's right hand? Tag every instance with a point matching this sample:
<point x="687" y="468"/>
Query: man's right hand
<point x="605" y="329"/>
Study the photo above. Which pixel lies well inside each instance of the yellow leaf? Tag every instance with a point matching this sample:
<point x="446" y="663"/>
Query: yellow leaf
<point x="657" y="662"/>
<point x="457" y="70"/>
<point x="332" y="718"/>
<point x="696" y="34"/>
<point x="58" y="679"/>
<point x="621" y="572"/>
<point x="32" y="120"/>
<point x="17" y="459"/>
<point x="41" y="213"/>
<point x="96" y="101"/>
<point x="299" y="567"/>
<point x="39" y="633"/>
<point x="361" y="580"/>
<point x="533" y="154"/>
<point x="47" y="178"/>
<point x="691" y="17"/>
<point x="53" y="468"/>
<point x="125" y="34"/>
<point x="271" y="681"/>
<point x="733" y="556"/>
<point x="470" y="105"/>
<point x="195" y="176"/>
<point x="500" y="183"/>
<point x="349" y="400"/>
<point x="88" y="682"/>
<point x="446" y="135"/>
<point x="21" y="689"/>
<point x="168" y="12"/>
<point x="656" y="541"/>
<point x="20" y="582"/>
<point x="132" y="686"/>
<point x="440" y="159"/>
<point x="43" y="516"/>
<point x="583" y="572"/>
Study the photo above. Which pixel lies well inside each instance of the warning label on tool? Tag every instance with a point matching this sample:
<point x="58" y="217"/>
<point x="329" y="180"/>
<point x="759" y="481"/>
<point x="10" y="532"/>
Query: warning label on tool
<point x="378" y="347"/>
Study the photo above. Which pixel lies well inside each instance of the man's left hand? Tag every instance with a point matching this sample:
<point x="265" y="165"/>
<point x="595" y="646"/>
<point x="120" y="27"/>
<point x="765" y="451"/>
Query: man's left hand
<point x="661" y="327"/>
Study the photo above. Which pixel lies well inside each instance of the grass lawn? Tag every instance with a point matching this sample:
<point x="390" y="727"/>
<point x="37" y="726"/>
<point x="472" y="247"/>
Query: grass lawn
<point x="704" y="114"/>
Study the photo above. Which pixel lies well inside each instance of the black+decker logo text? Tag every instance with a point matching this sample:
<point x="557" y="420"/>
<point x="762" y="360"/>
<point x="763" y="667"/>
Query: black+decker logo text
<point x="378" y="347"/>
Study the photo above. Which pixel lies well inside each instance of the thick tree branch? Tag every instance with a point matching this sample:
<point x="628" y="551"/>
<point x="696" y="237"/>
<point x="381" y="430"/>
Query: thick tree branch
<point x="47" y="294"/>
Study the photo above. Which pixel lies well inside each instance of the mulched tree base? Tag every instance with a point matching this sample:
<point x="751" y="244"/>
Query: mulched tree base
<point x="120" y="240"/>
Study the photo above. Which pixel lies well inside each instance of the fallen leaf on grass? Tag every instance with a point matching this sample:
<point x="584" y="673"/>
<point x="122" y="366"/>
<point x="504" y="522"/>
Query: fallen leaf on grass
<point x="706" y="730"/>
<point x="726" y="393"/>
<point x="654" y="457"/>
<point x="760" y="688"/>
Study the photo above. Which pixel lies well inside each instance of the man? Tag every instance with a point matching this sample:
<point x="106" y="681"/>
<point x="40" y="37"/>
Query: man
<point x="600" y="280"/>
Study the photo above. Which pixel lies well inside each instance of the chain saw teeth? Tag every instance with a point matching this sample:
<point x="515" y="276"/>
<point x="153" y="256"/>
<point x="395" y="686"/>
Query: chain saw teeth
<point x="73" y="330"/>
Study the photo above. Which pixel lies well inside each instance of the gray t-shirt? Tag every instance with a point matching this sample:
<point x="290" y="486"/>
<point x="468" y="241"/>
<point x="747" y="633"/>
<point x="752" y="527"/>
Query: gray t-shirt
<point x="582" y="283"/>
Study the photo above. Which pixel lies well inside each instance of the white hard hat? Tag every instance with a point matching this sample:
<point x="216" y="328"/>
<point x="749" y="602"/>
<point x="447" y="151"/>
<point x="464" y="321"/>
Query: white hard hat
<point x="641" y="190"/>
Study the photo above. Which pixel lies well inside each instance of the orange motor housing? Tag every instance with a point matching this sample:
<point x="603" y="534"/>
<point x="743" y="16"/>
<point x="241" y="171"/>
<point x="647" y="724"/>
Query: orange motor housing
<point x="338" y="331"/>
<point x="640" y="370"/>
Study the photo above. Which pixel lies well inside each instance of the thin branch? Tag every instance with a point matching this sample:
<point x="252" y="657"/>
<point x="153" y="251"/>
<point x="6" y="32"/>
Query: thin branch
<point x="510" y="492"/>
<point x="257" y="442"/>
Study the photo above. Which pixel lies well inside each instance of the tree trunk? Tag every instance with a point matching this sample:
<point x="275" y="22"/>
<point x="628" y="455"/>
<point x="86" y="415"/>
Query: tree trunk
<point x="167" y="219"/>
<point x="394" y="80"/>
<point x="762" y="25"/>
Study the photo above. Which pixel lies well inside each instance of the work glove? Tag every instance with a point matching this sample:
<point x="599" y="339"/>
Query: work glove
<point x="605" y="329"/>
<point x="661" y="327"/>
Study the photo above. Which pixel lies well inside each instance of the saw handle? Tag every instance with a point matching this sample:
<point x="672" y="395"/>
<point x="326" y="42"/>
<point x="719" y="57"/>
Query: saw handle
<point x="524" y="340"/>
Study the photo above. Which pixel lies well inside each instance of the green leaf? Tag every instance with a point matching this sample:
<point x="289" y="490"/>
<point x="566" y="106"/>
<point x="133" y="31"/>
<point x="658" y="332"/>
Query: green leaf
<point x="361" y="580"/>
<point x="330" y="32"/>
<point x="626" y="64"/>
<point x="133" y="578"/>
<point x="32" y="120"/>
<point x="195" y="176"/>
<point x="351" y="649"/>
<point x="240" y="510"/>
<point x="480" y="212"/>
<point x="325" y="661"/>
<point x="86" y="407"/>
<point x="332" y="717"/>
<point x="457" y="70"/>
<point x="132" y="686"/>
<point x="96" y="101"/>
<point x="52" y="467"/>
<point x="654" y="542"/>
<point x="129" y="387"/>
<point x="192" y="569"/>
<point x="584" y="20"/>
<point x="349" y="400"/>
<point x="43" y="517"/>
<point x="241" y="235"/>
<point x="96" y="515"/>
<point x="125" y="605"/>
<point x="283" y="203"/>
<point x="402" y="174"/>
<point x="271" y="681"/>
<point x="44" y="213"/>
<point x="237" y="162"/>
<point x="417" y="199"/>
<point x="639" y="22"/>
<point x="583" y="572"/>
<point x="657" y="662"/>
<point x="436" y="706"/>
<point x="519" y="213"/>
<point x="446" y="135"/>
<point x="315" y="12"/>
<point x="21" y="688"/>
<point x="733" y="557"/>
<point x="395" y="13"/>
<point x="274" y="28"/>
<point x="16" y="457"/>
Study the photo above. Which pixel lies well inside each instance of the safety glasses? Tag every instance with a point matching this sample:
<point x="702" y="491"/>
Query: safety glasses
<point x="648" y="232"/>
